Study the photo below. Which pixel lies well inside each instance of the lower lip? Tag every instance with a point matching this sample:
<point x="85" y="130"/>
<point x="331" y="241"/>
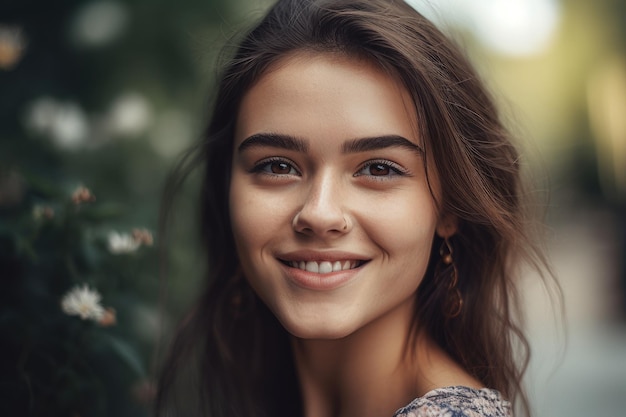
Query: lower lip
<point x="319" y="282"/>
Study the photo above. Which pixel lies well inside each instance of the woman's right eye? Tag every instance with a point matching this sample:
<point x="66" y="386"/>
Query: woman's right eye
<point x="276" y="167"/>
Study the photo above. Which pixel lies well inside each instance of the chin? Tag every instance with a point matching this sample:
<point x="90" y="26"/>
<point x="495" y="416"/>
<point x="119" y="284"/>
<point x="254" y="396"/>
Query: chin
<point x="324" y="334"/>
<point x="317" y="329"/>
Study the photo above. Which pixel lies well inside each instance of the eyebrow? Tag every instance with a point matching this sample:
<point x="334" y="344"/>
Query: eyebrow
<point x="293" y="143"/>
<point x="380" y="142"/>
<point x="274" y="140"/>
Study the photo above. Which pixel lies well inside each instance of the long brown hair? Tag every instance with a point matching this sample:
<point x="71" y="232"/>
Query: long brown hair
<point x="230" y="344"/>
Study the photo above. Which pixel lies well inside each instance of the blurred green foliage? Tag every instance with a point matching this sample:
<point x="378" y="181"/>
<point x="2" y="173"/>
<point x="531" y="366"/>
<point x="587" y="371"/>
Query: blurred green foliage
<point x="103" y="94"/>
<point x="54" y="363"/>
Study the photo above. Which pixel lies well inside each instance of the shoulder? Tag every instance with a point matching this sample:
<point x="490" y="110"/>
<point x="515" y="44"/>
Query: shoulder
<point x="458" y="402"/>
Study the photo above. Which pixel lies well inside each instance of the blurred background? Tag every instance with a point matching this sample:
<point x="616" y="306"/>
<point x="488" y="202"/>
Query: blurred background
<point x="97" y="100"/>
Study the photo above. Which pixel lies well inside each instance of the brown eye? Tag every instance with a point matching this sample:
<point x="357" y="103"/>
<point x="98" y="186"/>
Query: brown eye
<point x="280" y="168"/>
<point x="276" y="167"/>
<point x="379" y="169"/>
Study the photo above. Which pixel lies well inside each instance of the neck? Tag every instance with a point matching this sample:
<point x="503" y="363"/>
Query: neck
<point x="374" y="371"/>
<point x="364" y="374"/>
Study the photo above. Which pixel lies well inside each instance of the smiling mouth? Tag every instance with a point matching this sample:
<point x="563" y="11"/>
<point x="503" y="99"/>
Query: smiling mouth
<point x="324" y="267"/>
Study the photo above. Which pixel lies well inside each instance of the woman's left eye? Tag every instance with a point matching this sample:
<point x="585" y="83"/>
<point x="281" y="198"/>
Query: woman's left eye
<point x="380" y="169"/>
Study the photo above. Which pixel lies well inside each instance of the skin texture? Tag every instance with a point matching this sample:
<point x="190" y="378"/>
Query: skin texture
<point x="327" y="166"/>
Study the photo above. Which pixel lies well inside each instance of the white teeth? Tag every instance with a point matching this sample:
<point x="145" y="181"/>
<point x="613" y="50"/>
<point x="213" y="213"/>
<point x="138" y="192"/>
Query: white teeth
<point x="312" y="266"/>
<point x="324" y="267"/>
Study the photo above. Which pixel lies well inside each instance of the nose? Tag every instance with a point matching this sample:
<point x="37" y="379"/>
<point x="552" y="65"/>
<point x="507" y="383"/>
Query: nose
<point x="322" y="213"/>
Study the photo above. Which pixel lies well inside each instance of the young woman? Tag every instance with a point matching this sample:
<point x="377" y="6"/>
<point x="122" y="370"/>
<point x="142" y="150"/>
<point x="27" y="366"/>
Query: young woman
<point x="363" y="214"/>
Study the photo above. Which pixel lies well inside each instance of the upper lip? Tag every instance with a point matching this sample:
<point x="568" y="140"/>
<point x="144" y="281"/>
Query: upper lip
<point x="330" y="256"/>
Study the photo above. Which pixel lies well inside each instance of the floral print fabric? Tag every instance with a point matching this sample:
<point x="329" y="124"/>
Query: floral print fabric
<point x="458" y="402"/>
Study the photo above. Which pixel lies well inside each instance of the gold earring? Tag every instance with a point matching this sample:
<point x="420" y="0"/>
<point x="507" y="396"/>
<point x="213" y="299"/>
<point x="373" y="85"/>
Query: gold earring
<point x="453" y="304"/>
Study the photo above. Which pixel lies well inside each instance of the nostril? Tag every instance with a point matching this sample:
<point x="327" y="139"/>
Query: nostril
<point x="306" y="230"/>
<point x="322" y="210"/>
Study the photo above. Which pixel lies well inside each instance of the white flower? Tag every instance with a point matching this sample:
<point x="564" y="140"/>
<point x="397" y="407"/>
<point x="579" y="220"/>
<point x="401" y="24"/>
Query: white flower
<point x="83" y="302"/>
<point x="66" y="123"/>
<point x="130" y="114"/>
<point x="99" y="23"/>
<point x="122" y="243"/>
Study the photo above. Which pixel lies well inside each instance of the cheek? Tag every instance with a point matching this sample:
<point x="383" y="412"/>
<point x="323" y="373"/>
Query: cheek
<point x="256" y="216"/>
<point x="404" y="232"/>
<point x="255" y="225"/>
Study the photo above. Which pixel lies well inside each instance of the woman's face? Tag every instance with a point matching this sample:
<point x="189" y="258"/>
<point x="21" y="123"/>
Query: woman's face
<point x="331" y="211"/>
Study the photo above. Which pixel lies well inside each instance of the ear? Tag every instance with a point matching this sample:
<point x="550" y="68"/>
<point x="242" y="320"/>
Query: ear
<point x="447" y="225"/>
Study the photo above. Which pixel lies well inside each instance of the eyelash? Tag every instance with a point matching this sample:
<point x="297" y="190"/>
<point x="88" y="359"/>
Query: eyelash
<point x="394" y="169"/>
<point x="263" y="166"/>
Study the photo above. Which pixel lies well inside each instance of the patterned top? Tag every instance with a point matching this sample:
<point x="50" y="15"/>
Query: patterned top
<point x="458" y="402"/>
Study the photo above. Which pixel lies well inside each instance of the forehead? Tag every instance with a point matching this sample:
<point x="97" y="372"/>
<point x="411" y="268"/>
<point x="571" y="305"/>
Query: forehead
<point x="312" y="92"/>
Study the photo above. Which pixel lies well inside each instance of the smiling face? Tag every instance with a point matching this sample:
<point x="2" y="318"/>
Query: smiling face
<point x="331" y="211"/>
